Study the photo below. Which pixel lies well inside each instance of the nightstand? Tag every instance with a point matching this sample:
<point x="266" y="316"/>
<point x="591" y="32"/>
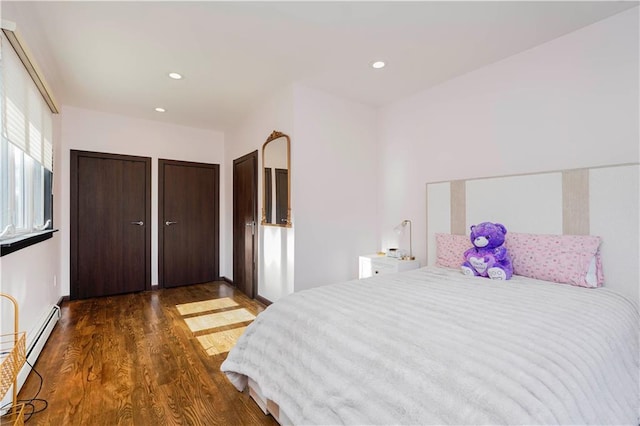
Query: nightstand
<point x="375" y="264"/>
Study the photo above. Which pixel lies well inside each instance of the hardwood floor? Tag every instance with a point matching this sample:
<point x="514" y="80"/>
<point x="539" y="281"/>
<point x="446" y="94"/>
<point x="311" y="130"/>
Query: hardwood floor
<point x="132" y="360"/>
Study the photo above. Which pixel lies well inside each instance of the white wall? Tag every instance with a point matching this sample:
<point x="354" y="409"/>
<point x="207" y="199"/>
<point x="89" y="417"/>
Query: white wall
<point x="102" y="132"/>
<point x="572" y="102"/>
<point x="275" y="275"/>
<point x="32" y="274"/>
<point x="334" y="186"/>
<point x="333" y="190"/>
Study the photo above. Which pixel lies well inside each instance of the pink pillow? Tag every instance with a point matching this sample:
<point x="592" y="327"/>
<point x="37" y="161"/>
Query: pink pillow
<point x="568" y="259"/>
<point x="450" y="249"/>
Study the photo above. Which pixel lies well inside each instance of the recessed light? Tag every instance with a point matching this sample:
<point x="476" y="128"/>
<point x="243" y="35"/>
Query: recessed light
<point x="175" y="75"/>
<point x="160" y="109"/>
<point x="378" y="64"/>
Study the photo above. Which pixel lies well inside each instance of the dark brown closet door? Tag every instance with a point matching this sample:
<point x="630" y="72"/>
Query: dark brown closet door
<point x="110" y="224"/>
<point x="188" y="229"/>
<point x="245" y="227"/>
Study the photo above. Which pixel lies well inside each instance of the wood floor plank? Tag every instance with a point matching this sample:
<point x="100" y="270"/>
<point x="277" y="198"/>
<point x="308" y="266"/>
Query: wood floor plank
<point x="219" y="319"/>
<point x="206" y="305"/>
<point x="132" y="360"/>
<point x="221" y="341"/>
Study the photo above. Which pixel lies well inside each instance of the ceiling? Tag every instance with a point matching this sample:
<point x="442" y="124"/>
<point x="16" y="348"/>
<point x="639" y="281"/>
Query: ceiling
<point x="115" y="56"/>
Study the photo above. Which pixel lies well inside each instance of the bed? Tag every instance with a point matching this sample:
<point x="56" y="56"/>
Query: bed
<point x="433" y="346"/>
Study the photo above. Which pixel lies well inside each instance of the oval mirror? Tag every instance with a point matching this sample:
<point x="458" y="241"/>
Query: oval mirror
<point x="276" y="193"/>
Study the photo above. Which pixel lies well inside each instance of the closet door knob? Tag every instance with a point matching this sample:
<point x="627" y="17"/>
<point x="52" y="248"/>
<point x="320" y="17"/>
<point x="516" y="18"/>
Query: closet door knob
<point x="169" y="223"/>
<point x="139" y="223"/>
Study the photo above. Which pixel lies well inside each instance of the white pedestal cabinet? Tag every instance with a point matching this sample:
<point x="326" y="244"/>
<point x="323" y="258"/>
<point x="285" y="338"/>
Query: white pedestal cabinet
<point x="375" y="264"/>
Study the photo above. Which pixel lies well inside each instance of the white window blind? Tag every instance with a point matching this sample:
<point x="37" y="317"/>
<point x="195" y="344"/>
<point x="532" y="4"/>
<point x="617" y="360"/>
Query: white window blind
<point x="26" y="150"/>
<point x="26" y="117"/>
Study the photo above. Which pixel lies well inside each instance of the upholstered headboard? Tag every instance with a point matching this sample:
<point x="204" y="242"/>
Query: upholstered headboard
<point x="600" y="201"/>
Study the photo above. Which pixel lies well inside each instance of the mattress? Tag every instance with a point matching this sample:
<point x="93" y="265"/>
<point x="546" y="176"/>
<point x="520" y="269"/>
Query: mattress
<point x="432" y="346"/>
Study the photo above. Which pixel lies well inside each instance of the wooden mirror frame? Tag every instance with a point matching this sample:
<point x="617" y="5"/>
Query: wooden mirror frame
<point x="287" y="224"/>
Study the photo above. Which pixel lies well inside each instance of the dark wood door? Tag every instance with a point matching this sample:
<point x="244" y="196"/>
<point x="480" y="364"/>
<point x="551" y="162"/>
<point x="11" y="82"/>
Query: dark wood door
<point x="110" y="224"/>
<point x="245" y="216"/>
<point x="189" y="222"/>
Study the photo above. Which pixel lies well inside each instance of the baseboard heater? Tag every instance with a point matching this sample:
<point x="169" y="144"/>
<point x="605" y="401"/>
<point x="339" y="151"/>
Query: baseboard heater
<point x="35" y="345"/>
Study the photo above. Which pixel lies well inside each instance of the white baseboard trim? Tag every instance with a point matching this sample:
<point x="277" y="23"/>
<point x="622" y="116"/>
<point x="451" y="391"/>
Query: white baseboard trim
<point x="35" y="343"/>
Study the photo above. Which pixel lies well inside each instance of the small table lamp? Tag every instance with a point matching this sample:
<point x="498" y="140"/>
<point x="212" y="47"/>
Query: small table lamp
<point x="399" y="229"/>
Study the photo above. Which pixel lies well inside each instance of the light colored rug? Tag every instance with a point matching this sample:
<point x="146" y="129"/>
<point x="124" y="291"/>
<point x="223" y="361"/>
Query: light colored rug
<point x="206" y="305"/>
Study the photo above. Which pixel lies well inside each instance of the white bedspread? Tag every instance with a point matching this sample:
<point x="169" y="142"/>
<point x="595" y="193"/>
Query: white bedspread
<point x="433" y="346"/>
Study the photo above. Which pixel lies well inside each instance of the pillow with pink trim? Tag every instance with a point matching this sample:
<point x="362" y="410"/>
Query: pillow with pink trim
<point x="450" y="249"/>
<point x="566" y="259"/>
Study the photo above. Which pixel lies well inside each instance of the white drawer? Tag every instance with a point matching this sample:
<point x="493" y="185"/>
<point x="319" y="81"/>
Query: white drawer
<point x="380" y="267"/>
<point x="372" y="264"/>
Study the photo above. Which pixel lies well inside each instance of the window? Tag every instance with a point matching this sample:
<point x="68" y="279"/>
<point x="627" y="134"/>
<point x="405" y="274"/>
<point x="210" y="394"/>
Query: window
<point x="26" y="150"/>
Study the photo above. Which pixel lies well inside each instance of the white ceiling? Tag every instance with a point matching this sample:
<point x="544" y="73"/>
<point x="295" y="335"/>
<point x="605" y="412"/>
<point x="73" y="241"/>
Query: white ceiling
<point x="115" y="56"/>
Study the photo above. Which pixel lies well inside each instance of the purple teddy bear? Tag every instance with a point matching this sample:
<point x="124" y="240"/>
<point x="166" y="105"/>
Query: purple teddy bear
<point x="488" y="257"/>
